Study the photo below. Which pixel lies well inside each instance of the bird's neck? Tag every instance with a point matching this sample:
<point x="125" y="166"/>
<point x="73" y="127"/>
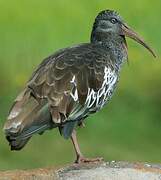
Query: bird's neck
<point x="114" y="44"/>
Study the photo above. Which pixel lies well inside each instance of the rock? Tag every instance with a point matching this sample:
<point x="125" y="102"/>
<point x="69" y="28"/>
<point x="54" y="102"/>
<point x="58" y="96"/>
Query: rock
<point x="100" y="171"/>
<point x="35" y="174"/>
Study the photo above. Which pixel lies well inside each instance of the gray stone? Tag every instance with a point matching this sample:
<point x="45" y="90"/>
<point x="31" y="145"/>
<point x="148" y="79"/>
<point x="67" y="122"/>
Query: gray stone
<point x="100" y="171"/>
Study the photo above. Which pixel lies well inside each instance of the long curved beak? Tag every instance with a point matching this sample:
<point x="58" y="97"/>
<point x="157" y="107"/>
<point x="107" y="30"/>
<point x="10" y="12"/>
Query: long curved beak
<point x="127" y="31"/>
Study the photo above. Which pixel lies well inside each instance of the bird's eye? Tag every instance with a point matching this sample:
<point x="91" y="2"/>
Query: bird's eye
<point x="113" y="21"/>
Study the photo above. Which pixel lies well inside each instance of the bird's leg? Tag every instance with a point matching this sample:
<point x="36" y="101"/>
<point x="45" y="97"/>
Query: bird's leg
<point x="76" y="146"/>
<point x="80" y="158"/>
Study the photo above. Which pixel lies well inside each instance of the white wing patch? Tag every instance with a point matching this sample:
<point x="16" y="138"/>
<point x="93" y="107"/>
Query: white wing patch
<point x="100" y="97"/>
<point x="97" y="99"/>
<point x="74" y="94"/>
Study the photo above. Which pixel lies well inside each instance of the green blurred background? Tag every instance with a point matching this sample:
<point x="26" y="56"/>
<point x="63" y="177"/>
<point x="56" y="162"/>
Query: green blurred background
<point x="129" y="128"/>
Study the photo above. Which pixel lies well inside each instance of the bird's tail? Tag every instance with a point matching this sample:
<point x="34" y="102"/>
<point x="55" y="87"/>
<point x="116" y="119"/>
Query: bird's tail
<point x="27" y="117"/>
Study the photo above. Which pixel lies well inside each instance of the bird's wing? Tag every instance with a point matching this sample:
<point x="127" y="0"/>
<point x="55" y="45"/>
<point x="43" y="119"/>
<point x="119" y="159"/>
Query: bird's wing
<point x="65" y="78"/>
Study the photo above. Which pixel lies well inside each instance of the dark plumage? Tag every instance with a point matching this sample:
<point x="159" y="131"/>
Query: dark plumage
<point x="71" y="84"/>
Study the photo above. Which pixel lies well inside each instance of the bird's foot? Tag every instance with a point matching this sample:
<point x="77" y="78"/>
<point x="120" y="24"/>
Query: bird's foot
<point x="82" y="159"/>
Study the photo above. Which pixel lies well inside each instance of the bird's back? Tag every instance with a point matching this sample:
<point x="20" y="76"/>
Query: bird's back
<point x="63" y="90"/>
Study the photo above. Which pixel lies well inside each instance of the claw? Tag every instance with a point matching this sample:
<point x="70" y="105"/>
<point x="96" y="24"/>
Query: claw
<point x="81" y="159"/>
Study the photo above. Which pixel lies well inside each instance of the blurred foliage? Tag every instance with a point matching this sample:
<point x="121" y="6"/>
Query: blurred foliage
<point x="129" y="128"/>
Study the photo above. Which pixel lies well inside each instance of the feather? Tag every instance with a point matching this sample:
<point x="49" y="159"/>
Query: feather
<point x="68" y="128"/>
<point x="61" y="92"/>
<point x="27" y="117"/>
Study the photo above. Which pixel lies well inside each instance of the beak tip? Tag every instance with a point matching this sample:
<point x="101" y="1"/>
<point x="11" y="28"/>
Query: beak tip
<point x="154" y="54"/>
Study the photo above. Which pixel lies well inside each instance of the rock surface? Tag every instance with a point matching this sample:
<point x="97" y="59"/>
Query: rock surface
<point x="102" y="171"/>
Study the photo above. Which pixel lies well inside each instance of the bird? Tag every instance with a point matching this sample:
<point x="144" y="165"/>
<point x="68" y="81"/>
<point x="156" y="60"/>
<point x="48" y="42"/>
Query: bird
<point x="72" y="84"/>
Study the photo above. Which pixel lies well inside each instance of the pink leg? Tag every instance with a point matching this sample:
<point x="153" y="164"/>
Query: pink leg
<point x="80" y="158"/>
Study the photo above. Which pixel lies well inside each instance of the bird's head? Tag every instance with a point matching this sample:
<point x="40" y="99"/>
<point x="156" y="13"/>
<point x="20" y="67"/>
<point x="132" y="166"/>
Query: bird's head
<point x="110" y="22"/>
